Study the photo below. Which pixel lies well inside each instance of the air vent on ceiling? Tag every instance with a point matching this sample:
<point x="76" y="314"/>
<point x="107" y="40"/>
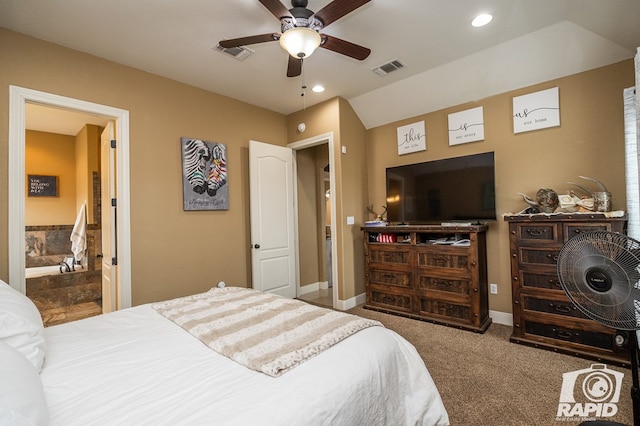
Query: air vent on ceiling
<point x="390" y="66"/>
<point x="240" y="53"/>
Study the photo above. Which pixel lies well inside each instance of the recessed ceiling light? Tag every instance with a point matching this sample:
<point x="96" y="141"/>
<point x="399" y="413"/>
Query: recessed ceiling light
<point x="481" y="20"/>
<point x="318" y="89"/>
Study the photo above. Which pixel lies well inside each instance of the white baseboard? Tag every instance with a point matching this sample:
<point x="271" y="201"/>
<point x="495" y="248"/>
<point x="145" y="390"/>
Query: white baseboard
<point x="501" y="318"/>
<point x="345" y="305"/>
<point x="308" y="288"/>
<point x="322" y="285"/>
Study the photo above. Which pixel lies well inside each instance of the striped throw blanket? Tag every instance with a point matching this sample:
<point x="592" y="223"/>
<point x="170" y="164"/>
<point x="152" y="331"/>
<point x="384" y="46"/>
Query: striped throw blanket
<point x="261" y="331"/>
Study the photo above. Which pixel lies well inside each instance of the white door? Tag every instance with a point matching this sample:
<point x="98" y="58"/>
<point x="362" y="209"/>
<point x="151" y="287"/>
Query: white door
<point x="108" y="221"/>
<point x="272" y="219"/>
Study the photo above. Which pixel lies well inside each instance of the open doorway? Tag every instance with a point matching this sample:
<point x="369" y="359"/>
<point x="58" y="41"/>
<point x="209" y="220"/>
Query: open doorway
<point x="63" y="209"/>
<point x="19" y="98"/>
<point x="317" y="244"/>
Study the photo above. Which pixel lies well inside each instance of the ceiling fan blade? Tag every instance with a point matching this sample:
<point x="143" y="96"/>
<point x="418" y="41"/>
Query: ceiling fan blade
<point x="276" y="8"/>
<point x="344" y="47"/>
<point x="337" y="9"/>
<point x="294" y="68"/>
<point x="244" y="41"/>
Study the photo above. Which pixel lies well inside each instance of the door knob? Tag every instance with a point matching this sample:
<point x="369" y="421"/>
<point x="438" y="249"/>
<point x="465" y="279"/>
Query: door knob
<point x="256" y="246"/>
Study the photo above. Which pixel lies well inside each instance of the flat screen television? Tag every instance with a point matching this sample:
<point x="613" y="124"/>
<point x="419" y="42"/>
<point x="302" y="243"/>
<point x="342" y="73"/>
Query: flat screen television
<point x="460" y="189"/>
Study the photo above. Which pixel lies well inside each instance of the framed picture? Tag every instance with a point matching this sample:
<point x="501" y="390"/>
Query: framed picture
<point x="205" y="183"/>
<point x="466" y="126"/>
<point x="537" y="110"/>
<point x="42" y="186"/>
<point x="412" y="138"/>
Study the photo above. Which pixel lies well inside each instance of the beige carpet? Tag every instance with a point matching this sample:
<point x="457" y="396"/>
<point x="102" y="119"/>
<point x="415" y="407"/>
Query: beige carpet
<point x="486" y="380"/>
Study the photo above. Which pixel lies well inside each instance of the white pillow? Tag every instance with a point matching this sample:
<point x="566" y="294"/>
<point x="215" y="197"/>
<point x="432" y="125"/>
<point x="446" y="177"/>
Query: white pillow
<point x="22" y="400"/>
<point x="21" y="325"/>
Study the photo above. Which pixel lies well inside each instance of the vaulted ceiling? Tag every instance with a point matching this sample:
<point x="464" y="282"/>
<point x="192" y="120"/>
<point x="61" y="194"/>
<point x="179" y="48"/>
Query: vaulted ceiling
<point x="447" y="61"/>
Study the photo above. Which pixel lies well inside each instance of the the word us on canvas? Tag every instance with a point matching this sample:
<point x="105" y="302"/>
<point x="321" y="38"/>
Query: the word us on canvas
<point x="537" y="110"/>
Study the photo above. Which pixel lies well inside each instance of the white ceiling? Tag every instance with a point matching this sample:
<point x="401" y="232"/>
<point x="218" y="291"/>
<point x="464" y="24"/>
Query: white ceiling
<point x="447" y="61"/>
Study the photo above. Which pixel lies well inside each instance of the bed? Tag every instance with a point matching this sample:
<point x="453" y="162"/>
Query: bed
<point x="141" y="366"/>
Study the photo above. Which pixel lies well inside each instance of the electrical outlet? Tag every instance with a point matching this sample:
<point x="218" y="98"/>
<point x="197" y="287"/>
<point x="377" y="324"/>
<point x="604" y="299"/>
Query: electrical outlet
<point x="493" y="288"/>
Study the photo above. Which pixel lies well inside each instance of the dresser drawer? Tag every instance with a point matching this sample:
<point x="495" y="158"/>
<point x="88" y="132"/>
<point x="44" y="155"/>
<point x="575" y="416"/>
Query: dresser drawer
<point x="446" y="257"/>
<point x="550" y="306"/>
<point x="538" y="255"/>
<point x="389" y="255"/>
<point x="546" y="281"/>
<point x="568" y="334"/>
<point x="392" y="278"/>
<point x="397" y="302"/>
<point x="444" y="309"/>
<point x="426" y="282"/>
<point x="538" y="232"/>
<point x="573" y="229"/>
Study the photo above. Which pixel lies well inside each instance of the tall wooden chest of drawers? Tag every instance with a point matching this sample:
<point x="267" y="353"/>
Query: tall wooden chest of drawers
<point x="435" y="273"/>
<point x="543" y="315"/>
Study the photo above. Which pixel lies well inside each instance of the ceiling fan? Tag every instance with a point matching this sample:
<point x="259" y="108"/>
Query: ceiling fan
<point x="300" y="31"/>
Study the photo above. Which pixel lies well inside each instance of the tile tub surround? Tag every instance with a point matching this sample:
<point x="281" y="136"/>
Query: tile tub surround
<point x="69" y="288"/>
<point x="49" y="245"/>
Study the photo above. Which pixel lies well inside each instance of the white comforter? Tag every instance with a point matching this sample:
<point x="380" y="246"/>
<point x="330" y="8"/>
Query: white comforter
<point x="135" y="367"/>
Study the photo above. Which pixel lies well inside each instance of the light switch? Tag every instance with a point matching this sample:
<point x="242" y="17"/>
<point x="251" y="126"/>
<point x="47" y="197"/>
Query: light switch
<point x="350" y="220"/>
<point x="344" y="149"/>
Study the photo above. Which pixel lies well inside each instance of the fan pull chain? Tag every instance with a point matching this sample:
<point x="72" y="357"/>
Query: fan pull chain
<point x="303" y="86"/>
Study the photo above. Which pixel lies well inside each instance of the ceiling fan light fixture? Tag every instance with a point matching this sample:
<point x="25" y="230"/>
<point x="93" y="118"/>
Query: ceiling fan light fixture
<point x="300" y="42"/>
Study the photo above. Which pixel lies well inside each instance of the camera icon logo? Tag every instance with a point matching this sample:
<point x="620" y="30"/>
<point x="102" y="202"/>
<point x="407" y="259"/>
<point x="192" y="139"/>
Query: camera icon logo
<point x="592" y="391"/>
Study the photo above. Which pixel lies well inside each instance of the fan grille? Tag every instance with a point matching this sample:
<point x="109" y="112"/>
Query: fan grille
<point x="598" y="271"/>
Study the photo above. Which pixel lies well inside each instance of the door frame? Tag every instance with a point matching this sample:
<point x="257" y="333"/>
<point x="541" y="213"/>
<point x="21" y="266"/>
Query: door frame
<point x="309" y="143"/>
<point x="18" y="97"/>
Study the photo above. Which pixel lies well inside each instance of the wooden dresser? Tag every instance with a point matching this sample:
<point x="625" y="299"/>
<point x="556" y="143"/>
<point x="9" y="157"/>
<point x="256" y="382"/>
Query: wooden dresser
<point x="543" y="315"/>
<point x="434" y="273"/>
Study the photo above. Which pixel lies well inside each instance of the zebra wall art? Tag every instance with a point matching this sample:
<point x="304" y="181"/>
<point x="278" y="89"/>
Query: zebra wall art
<point x="204" y="175"/>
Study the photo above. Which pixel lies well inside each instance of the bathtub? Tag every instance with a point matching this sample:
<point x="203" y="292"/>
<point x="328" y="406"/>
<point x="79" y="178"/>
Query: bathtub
<point x="41" y="271"/>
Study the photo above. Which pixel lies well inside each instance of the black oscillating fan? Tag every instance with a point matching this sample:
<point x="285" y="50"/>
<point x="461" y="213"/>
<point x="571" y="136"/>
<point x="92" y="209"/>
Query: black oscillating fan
<point x="599" y="272"/>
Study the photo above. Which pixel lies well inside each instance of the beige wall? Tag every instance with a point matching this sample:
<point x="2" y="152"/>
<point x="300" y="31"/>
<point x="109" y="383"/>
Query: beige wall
<point x="51" y="154"/>
<point x="589" y="142"/>
<point x="73" y="159"/>
<point x="174" y="252"/>
<point x="197" y="249"/>
<point x="337" y="116"/>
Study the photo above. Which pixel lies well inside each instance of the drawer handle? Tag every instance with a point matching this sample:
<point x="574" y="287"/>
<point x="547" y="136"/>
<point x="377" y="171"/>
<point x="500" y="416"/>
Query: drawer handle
<point x="561" y="308"/>
<point x="441" y="259"/>
<point x="389" y="276"/>
<point x="555" y="283"/>
<point x="443" y="283"/>
<point x="564" y="334"/>
<point x="535" y="233"/>
<point x="553" y="256"/>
